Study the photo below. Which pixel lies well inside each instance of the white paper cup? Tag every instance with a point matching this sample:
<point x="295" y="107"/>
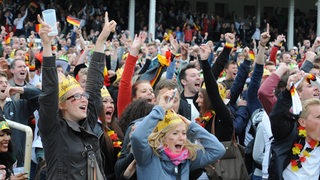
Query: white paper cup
<point x="49" y="17"/>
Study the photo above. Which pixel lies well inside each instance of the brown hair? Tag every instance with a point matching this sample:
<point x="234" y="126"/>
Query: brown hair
<point x="135" y="87"/>
<point x="206" y="102"/>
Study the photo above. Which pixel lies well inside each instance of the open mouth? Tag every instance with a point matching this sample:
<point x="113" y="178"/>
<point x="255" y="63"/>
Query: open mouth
<point x="82" y="107"/>
<point x="178" y="146"/>
<point x="3" y="91"/>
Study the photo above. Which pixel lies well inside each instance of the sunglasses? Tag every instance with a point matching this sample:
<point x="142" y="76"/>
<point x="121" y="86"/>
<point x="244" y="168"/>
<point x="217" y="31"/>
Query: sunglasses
<point x="78" y="96"/>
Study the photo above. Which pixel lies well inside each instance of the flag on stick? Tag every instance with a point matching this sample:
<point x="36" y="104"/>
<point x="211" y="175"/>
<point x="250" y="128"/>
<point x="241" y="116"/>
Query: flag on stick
<point x="74" y="21"/>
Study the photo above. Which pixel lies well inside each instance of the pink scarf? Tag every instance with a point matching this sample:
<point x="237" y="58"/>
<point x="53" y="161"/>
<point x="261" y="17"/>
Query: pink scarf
<point x="177" y="158"/>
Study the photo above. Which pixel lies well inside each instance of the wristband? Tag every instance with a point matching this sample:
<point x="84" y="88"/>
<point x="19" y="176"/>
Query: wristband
<point x="229" y="45"/>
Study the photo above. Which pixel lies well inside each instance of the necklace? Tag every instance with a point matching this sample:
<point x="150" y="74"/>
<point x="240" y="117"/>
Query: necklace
<point x="115" y="140"/>
<point x="203" y="120"/>
<point x="299" y="157"/>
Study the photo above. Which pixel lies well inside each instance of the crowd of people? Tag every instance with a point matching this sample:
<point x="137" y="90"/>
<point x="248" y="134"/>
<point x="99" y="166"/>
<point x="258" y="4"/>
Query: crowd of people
<point x="104" y="105"/>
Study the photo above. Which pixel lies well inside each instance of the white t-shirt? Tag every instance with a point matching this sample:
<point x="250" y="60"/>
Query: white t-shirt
<point x="310" y="168"/>
<point x="194" y="111"/>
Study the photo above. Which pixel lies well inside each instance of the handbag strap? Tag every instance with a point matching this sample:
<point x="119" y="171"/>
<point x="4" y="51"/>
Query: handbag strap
<point x="93" y="169"/>
<point x="212" y="125"/>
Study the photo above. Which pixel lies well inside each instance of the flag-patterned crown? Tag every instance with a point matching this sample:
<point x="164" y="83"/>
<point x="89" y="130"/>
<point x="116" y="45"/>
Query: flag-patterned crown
<point x="4" y="125"/>
<point x="66" y="84"/>
<point x="104" y="92"/>
<point x="170" y="118"/>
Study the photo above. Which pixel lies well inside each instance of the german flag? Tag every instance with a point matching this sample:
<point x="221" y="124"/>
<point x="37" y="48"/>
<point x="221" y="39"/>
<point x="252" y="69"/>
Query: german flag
<point x="251" y="55"/>
<point x="74" y="21"/>
<point x="38" y="26"/>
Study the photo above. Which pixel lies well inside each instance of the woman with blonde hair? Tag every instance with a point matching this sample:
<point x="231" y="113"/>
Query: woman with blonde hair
<point x="161" y="147"/>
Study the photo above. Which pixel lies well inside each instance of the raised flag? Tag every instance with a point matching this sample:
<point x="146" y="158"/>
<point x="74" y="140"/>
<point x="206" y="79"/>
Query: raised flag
<point x="74" y="21"/>
<point x="251" y="55"/>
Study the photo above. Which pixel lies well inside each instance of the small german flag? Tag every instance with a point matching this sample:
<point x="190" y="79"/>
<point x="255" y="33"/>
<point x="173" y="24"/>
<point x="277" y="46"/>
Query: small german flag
<point x="251" y="55"/>
<point x="38" y="26"/>
<point x="74" y="21"/>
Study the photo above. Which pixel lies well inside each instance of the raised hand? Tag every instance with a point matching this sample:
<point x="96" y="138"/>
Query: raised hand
<point x="265" y="37"/>
<point x="174" y="43"/>
<point x="109" y="26"/>
<point x="229" y="37"/>
<point x="137" y="43"/>
<point x="43" y="32"/>
<point x="204" y="52"/>
<point x="246" y="53"/>
<point x="166" y="100"/>
<point x="294" y="79"/>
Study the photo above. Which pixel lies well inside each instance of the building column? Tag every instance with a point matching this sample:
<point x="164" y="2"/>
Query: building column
<point x="152" y="19"/>
<point x="318" y="17"/>
<point x="132" y="5"/>
<point x="258" y="23"/>
<point x="290" y="24"/>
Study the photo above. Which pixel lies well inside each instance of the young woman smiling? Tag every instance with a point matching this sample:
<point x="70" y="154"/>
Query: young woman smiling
<point x="68" y="115"/>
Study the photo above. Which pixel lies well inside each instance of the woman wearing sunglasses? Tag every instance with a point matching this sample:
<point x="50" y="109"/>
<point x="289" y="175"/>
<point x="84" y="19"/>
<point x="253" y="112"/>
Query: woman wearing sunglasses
<point x="68" y="114"/>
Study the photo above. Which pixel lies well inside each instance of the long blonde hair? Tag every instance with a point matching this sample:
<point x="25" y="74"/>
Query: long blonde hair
<point x="156" y="141"/>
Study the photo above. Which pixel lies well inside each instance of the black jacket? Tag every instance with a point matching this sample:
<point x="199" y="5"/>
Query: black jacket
<point x="285" y="133"/>
<point x="63" y="140"/>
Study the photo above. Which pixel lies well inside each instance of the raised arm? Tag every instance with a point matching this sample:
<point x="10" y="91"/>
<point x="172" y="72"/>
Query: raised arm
<point x="253" y="101"/>
<point x="50" y="89"/>
<point x="280" y="117"/>
<point x="223" y="57"/>
<point x="266" y="93"/>
<point x="95" y="72"/>
<point x="125" y="87"/>
<point x="139" y="138"/>
<point x="213" y="92"/>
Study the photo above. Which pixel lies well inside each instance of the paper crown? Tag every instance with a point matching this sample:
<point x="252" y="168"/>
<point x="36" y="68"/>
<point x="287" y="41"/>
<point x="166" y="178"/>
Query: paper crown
<point x="119" y="73"/>
<point x="66" y="84"/>
<point x="170" y="118"/>
<point x="104" y="92"/>
<point x="4" y="125"/>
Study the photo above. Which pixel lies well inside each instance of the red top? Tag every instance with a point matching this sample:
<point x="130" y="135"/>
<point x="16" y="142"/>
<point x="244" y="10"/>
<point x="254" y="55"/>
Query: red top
<point x="125" y="86"/>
